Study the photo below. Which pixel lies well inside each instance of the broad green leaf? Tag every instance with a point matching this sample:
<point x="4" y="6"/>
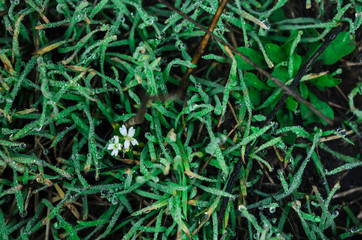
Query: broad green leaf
<point x="343" y="45"/>
<point x="297" y="61"/>
<point x="281" y="73"/>
<point x="283" y="118"/>
<point x="275" y="53"/>
<point x="303" y="90"/>
<point x="326" y="81"/>
<point x="255" y="56"/>
<point x="251" y="80"/>
<point x="308" y="115"/>
<point x="291" y="104"/>
<point x="254" y="96"/>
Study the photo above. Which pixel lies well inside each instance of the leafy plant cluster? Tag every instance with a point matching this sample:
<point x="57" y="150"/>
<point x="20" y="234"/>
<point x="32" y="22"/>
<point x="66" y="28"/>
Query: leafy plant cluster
<point x="74" y="71"/>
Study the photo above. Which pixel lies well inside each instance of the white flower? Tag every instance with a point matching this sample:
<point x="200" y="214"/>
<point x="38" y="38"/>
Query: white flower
<point x="115" y="146"/>
<point x="128" y="137"/>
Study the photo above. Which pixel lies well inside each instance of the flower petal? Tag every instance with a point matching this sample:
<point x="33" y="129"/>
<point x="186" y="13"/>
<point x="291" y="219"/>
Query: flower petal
<point x="114" y="152"/>
<point x="131" y="132"/>
<point x="116" y="139"/>
<point x="110" y="146"/>
<point x="123" y="130"/>
<point x="119" y="146"/>
<point x="134" y="142"/>
<point x="126" y="144"/>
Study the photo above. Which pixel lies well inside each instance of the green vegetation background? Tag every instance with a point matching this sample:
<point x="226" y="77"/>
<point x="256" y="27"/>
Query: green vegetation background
<point x="72" y="72"/>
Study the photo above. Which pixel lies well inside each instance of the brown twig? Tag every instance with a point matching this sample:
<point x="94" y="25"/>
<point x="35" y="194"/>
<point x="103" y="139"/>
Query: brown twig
<point x="200" y="50"/>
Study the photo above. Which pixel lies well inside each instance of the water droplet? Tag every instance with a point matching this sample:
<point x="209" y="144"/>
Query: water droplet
<point x="353" y="229"/>
<point x="335" y="213"/>
<point x="38" y="128"/>
<point x="60" y="8"/>
<point x="341" y="131"/>
<point x="23" y="214"/>
<point x="180" y="46"/>
<point x="272" y="209"/>
<point x="140" y="179"/>
<point x="149" y="22"/>
<point x="9" y="100"/>
<point x="155" y="179"/>
<point x="114" y="200"/>
<point x="33" y="168"/>
<point x="241" y="207"/>
<point x="45" y="151"/>
<point x="39" y="179"/>
<point x="75" y="157"/>
<point x="39" y="60"/>
<point x="360" y="58"/>
<point x="224" y="176"/>
<point x="104" y="192"/>
<point x="56" y="225"/>
<point x="266" y="23"/>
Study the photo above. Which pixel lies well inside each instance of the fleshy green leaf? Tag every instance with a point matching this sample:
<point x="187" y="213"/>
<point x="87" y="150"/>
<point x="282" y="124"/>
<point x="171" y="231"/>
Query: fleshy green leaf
<point x="343" y="45"/>
<point x="307" y="114"/>
<point x="326" y="81"/>
<point x="303" y="90"/>
<point x="275" y="53"/>
<point x="251" y="80"/>
<point x="291" y="104"/>
<point x="255" y="56"/>
<point x="281" y="73"/>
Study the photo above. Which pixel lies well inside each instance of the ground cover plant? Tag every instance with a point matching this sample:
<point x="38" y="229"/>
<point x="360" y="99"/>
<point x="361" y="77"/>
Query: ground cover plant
<point x="125" y="119"/>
